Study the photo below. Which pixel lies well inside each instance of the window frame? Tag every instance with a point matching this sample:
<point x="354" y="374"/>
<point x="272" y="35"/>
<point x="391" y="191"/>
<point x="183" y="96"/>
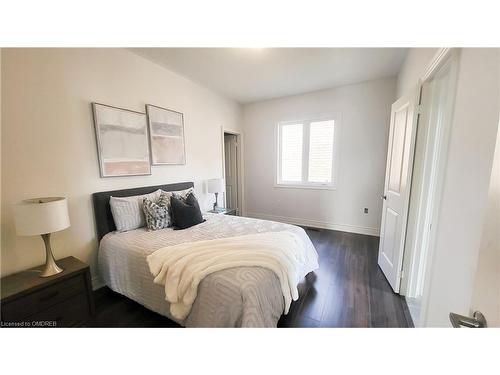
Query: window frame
<point x="304" y="184"/>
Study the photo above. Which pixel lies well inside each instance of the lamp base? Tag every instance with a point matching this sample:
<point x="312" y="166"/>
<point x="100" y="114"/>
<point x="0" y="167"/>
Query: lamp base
<point x="215" y="203"/>
<point x="51" y="268"/>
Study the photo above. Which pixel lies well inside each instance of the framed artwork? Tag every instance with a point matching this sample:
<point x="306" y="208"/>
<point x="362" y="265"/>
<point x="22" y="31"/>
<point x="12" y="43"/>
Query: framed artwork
<point x="166" y="132"/>
<point x="122" y="141"/>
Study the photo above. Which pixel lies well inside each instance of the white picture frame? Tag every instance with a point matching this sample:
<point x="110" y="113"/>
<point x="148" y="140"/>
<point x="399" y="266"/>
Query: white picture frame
<point x="122" y="141"/>
<point x="166" y="136"/>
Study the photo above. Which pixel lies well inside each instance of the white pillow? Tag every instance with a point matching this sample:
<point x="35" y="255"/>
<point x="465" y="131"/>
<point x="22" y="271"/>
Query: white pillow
<point x="127" y="211"/>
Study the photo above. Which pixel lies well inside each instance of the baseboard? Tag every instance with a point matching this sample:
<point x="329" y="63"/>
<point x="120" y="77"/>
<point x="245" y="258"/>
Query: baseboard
<point x="97" y="283"/>
<point x="317" y="224"/>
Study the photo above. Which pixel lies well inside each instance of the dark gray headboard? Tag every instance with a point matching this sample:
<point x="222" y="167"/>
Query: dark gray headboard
<point x="104" y="219"/>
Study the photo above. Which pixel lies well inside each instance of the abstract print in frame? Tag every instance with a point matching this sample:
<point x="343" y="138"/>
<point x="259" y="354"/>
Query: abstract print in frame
<point x="166" y="132"/>
<point x="122" y="141"/>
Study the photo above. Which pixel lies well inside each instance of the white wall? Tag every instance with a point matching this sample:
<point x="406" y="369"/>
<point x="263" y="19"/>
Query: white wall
<point x="365" y="110"/>
<point x="48" y="141"/>
<point x="486" y="296"/>
<point x="414" y="66"/>
<point x="466" y="180"/>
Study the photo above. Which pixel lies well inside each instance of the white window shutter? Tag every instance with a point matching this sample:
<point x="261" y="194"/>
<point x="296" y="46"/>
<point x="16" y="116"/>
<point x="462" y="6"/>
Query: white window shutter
<point x="321" y="135"/>
<point x="291" y="152"/>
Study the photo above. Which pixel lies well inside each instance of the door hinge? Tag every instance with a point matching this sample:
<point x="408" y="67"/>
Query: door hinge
<point x="401" y="274"/>
<point x="419" y="109"/>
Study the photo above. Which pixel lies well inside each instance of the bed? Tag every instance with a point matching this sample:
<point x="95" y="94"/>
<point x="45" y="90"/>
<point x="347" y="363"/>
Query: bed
<point x="234" y="297"/>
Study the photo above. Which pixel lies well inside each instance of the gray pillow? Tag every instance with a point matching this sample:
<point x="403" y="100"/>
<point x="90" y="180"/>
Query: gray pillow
<point x="182" y="193"/>
<point x="127" y="211"/>
<point x="157" y="212"/>
<point x="185" y="212"/>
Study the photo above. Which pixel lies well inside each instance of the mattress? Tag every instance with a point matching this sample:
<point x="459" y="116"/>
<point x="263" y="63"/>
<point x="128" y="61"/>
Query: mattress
<point x="235" y="297"/>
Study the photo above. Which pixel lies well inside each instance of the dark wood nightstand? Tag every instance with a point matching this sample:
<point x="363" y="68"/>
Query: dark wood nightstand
<point x="224" y="211"/>
<point x="62" y="300"/>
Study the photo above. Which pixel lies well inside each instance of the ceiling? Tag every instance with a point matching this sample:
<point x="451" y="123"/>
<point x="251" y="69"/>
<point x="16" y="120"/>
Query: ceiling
<point x="252" y="74"/>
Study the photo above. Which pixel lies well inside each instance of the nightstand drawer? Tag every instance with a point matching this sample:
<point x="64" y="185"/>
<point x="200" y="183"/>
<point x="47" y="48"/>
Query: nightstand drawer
<point x="71" y="312"/>
<point x="32" y="303"/>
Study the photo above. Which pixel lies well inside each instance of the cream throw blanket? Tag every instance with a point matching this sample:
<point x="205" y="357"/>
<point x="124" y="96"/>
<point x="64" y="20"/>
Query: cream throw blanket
<point x="182" y="267"/>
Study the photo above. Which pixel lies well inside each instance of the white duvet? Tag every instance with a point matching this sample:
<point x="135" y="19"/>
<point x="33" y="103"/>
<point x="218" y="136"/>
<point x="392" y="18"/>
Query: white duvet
<point x="180" y="268"/>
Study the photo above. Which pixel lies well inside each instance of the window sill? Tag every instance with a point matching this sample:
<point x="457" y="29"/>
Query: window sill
<point x="306" y="187"/>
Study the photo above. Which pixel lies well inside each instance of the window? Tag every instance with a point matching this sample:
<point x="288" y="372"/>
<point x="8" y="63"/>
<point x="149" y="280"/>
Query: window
<point x="291" y="152"/>
<point x="306" y="153"/>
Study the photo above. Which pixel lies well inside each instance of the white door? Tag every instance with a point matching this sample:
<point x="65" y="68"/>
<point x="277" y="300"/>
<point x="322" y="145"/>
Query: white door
<point x="397" y="188"/>
<point x="231" y="170"/>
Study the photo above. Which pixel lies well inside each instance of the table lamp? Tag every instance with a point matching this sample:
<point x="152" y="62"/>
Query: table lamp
<point x="42" y="216"/>
<point x="216" y="186"/>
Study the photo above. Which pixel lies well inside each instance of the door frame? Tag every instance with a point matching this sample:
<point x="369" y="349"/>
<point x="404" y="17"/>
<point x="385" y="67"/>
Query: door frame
<point x="437" y="161"/>
<point x="239" y="166"/>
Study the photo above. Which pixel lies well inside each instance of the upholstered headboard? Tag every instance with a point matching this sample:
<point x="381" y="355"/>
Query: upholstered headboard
<point x="102" y="211"/>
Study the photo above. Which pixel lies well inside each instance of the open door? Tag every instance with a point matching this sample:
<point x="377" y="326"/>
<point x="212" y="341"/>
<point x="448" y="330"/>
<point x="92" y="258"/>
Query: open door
<point x="231" y="164"/>
<point x="397" y="187"/>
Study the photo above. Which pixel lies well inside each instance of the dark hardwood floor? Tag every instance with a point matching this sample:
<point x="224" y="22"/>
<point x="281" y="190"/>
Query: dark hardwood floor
<point x="348" y="290"/>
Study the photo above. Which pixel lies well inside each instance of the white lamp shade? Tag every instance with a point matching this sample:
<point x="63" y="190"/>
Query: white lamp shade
<point x="41" y="215"/>
<point x="216" y="185"/>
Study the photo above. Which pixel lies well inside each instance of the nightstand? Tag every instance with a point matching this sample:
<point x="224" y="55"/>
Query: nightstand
<point x="224" y="211"/>
<point x="62" y="300"/>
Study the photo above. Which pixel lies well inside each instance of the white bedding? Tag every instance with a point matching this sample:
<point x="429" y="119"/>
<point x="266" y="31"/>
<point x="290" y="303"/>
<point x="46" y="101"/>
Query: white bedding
<point x="182" y="267"/>
<point x="123" y="267"/>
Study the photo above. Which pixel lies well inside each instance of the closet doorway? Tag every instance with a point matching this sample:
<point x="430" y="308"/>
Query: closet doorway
<point x="434" y="127"/>
<point x="417" y="156"/>
<point x="232" y="170"/>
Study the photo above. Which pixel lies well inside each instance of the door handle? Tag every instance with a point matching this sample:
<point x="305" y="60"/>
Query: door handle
<point x="384" y="197"/>
<point x="477" y="321"/>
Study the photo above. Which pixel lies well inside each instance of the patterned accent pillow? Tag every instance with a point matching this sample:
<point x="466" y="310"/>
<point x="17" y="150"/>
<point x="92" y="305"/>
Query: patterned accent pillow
<point x="157" y="213"/>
